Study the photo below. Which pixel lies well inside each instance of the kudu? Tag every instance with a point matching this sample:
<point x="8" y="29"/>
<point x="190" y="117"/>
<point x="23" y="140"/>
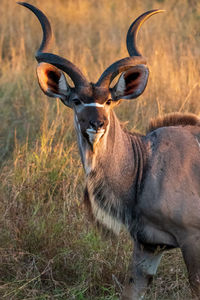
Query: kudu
<point x="150" y="184"/>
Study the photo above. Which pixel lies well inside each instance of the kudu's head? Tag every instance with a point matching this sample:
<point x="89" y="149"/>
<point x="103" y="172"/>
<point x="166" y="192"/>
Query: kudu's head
<point x="91" y="102"/>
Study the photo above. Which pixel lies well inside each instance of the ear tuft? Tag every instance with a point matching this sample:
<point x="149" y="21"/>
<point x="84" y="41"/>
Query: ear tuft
<point x="131" y="83"/>
<point x="53" y="82"/>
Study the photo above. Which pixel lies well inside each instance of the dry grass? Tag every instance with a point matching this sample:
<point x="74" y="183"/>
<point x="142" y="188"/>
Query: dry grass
<point x="48" y="249"/>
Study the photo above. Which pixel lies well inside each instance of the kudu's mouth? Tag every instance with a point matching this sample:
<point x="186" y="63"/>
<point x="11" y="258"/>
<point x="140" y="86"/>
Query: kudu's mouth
<point x="94" y="136"/>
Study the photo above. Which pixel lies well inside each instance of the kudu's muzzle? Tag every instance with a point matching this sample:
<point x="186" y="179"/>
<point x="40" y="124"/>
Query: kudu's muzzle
<point x="93" y="123"/>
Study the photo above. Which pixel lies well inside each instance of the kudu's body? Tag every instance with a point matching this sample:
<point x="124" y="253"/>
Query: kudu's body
<point x="150" y="184"/>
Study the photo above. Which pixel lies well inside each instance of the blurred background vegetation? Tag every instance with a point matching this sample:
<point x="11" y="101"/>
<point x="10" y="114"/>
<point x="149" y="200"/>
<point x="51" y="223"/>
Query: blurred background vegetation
<point x="48" y="248"/>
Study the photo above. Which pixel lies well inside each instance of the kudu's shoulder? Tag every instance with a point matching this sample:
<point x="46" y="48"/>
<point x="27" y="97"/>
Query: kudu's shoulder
<point x="173" y="133"/>
<point x="174" y="138"/>
<point x="174" y="119"/>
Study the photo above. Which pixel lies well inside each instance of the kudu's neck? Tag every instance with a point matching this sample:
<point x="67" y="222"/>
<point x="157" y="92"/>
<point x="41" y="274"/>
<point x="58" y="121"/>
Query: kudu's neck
<point x="118" y="156"/>
<point x="113" y="175"/>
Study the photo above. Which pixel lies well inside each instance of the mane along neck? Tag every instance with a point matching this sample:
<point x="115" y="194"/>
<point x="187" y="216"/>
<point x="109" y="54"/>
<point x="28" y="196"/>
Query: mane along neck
<point x="174" y="119"/>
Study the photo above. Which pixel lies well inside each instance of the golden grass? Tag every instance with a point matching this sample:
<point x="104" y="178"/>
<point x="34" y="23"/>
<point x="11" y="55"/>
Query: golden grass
<point x="48" y="248"/>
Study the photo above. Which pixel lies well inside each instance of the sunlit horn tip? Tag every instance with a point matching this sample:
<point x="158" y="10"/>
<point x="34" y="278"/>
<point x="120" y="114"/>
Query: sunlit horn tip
<point x="21" y="3"/>
<point x="148" y="14"/>
<point x="140" y="20"/>
<point x="134" y="29"/>
<point x="155" y="11"/>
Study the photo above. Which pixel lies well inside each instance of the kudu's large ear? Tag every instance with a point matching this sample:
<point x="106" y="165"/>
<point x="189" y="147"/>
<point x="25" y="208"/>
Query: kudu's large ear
<point x="53" y="82"/>
<point x="131" y="83"/>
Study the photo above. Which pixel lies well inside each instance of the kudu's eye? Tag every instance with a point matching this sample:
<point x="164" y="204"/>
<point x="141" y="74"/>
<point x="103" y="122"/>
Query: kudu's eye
<point x="109" y="102"/>
<point x="77" y="102"/>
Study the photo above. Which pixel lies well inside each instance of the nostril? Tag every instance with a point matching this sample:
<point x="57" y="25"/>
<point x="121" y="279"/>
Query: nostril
<point x="101" y="124"/>
<point x="92" y="123"/>
<point x="96" y="124"/>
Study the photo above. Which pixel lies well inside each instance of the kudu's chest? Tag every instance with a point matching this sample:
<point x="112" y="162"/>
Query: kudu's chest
<point x="105" y="205"/>
<point x="111" y="204"/>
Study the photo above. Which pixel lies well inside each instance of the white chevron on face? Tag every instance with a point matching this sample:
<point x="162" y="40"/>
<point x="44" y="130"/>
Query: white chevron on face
<point x="93" y="104"/>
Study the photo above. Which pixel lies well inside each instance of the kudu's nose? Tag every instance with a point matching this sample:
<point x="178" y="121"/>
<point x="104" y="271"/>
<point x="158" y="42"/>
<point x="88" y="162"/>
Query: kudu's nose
<point x="96" y="124"/>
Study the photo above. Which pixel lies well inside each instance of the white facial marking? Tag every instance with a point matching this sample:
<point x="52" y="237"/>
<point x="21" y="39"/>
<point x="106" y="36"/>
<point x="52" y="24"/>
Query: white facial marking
<point x="93" y="104"/>
<point x="81" y="106"/>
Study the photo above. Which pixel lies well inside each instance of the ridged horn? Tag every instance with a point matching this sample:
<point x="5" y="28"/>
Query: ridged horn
<point x="132" y="33"/>
<point x="42" y="56"/>
<point x="135" y="57"/>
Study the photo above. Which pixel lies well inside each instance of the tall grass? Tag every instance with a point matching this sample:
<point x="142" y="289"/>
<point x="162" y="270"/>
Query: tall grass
<point x="48" y="248"/>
